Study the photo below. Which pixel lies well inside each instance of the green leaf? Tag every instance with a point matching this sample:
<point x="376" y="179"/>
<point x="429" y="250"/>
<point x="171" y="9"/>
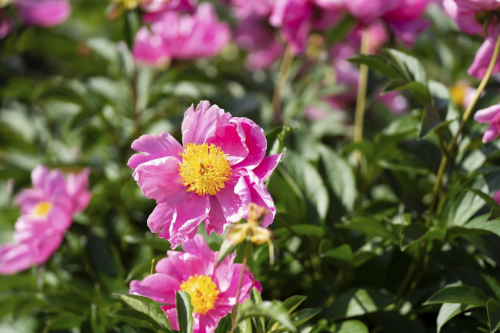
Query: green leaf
<point x="184" y="311"/>
<point x="369" y="226"/>
<point x="148" y="307"/>
<point x="493" y="309"/>
<point x="378" y="64"/>
<point x="341" y="177"/>
<point x="64" y="321"/>
<point x="459" y="294"/>
<point x="340" y="30"/>
<point x="300" y="317"/>
<point x="273" y="310"/>
<point x="291" y="303"/>
<point x="105" y="262"/>
<point x="410" y="65"/>
<point x="154" y="241"/>
<point x="342" y="255"/>
<point x="276" y="139"/>
<point x="227" y="247"/>
<point x="450" y="310"/>
<point x="360" y="301"/>
<point x="259" y="322"/>
<point x="415" y="234"/>
<point x="349" y="326"/>
<point x="135" y="319"/>
<point x="224" y="325"/>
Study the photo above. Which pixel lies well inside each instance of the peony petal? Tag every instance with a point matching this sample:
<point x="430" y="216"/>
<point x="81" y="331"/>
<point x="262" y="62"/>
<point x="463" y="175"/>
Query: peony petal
<point x="231" y="139"/>
<point x="159" y="179"/>
<point x="46" y="13"/>
<point x="159" y="287"/>
<point x="483" y="56"/>
<point x="76" y="186"/>
<point x="171" y="314"/>
<point x="491" y="133"/>
<point x="260" y="196"/>
<point x="38" y="175"/>
<point x="223" y="274"/>
<point x="255" y="142"/>
<point x="150" y="48"/>
<point x="190" y="264"/>
<point x="29" y="198"/>
<point x="199" y="248"/>
<point x="187" y="217"/>
<point x="215" y="221"/>
<point x="234" y="199"/>
<point x="198" y="125"/>
<point x="154" y="147"/>
<point x="15" y="258"/>
<point x="265" y="169"/>
<point x="487" y="115"/>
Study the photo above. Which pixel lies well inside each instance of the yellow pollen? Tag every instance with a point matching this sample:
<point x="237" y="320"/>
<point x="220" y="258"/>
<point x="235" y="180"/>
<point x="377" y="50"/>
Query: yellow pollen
<point x="42" y="208"/>
<point x="458" y="93"/>
<point x="203" y="292"/>
<point x="204" y="168"/>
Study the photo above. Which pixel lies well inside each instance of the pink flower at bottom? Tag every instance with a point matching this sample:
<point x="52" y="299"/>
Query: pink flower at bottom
<point x="496" y="197"/>
<point x="212" y="288"/>
<point x="47" y="210"/>
<point x="490" y="116"/>
<point x="44" y="13"/>
<point x="218" y="172"/>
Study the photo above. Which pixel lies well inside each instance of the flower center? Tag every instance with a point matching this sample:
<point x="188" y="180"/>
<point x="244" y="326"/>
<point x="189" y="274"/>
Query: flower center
<point x="203" y="292"/>
<point x="204" y="169"/>
<point x="42" y="209"/>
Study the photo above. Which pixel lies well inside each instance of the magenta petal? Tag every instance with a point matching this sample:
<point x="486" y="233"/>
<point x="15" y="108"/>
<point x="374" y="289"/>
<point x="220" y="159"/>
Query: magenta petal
<point x="38" y="175"/>
<point x="198" y="125"/>
<point x="260" y="196"/>
<point x="15" y="258"/>
<point x="255" y="142"/>
<point x="215" y="221"/>
<point x="231" y="139"/>
<point x="45" y="13"/>
<point x="487" y="115"/>
<point x="154" y="147"/>
<point x="224" y="273"/>
<point x="171" y="314"/>
<point x="158" y="287"/>
<point x="491" y="133"/>
<point x="150" y="48"/>
<point x="234" y="199"/>
<point x="188" y="216"/>
<point x="28" y="199"/>
<point x="199" y="248"/>
<point x="483" y="57"/>
<point x="191" y="265"/>
<point x="265" y="169"/>
<point x="159" y="179"/>
<point x="77" y="185"/>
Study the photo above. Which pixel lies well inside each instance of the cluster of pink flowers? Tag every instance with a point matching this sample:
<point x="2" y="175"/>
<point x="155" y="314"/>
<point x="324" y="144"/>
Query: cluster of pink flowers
<point x="213" y="289"/>
<point x="47" y="211"/>
<point x="217" y="172"/>
<point x="43" y="13"/>
<point x="179" y="30"/>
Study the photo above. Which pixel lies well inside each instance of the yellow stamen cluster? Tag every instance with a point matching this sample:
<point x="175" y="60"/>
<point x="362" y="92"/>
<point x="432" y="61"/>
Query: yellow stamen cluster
<point x="203" y="292"/>
<point x="42" y="209"/>
<point x="458" y="93"/>
<point x="204" y="169"/>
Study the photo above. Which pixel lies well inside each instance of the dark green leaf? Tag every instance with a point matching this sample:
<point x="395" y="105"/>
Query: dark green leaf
<point x="461" y="295"/>
<point x="378" y="64"/>
<point x="148" y="307"/>
<point x="184" y="311"/>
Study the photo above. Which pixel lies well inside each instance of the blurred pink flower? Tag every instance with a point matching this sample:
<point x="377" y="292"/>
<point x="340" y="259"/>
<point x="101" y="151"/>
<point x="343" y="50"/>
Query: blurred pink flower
<point x="296" y="18"/>
<point x="496" y="197"/>
<point x="394" y="101"/>
<point x="213" y="289"/>
<point x="44" y="13"/>
<point x="219" y="171"/>
<point x="490" y="116"/>
<point x="177" y="36"/>
<point x="6" y="25"/>
<point x="245" y="8"/>
<point x="47" y="210"/>
<point x="470" y="16"/>
<point x="255" y="35"/>
<point x="370" y="10"/>
<point x="167" y="5"/>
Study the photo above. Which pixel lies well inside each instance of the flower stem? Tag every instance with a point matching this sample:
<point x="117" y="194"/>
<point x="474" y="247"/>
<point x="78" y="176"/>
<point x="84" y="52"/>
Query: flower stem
<point x="283" y="74"/>
<point x="437" y="184"/>
<point x="240" y="281"/>
<point x="362" y="85"/>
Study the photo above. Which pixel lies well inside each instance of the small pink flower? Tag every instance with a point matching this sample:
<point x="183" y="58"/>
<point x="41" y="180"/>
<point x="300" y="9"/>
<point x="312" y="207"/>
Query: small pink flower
<point x="496" y="197"/>
<point x="47" y="210"/>
<point x="44" y="13"/>
<point x="212" y="288"/>
<point x="490" y="116"/>
<point x="152" y="6"/>
<point x="218" y="172"/>
<point x="177" y="36"/>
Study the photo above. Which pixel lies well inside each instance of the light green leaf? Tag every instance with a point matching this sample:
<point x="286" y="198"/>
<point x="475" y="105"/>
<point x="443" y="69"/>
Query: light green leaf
<point x="184" y="311"/>
<point x="148" y="307"/>
<point x="460" y="295"/>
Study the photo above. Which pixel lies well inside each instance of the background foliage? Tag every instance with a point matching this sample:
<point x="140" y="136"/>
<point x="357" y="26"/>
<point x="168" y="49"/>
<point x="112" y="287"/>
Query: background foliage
<point x="346" y="237"/>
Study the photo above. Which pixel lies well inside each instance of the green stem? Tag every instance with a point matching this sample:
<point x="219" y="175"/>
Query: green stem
<point x="240" y="281"/>
<point x="362" y="87"/>
<point x="423" y="256"/>
<point x="284" y="72"/>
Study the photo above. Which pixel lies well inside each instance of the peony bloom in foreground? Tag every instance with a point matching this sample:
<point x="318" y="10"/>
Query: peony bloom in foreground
<point x="490" y="116"/>
<point x="214" y="176"/>
<point x="212" y="289"/>
<point x="173" y="35"/>
<point x="470" y="16"/>
<point x="47" y="210"/>
<point x="43" y="13"/>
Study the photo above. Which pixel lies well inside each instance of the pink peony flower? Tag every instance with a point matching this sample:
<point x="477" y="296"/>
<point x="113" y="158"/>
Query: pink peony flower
<point x="212" y="288"/>
<point x="255" y="35"/>
<point x="6" y="25"/>
<point x="218" y="172"/>
<point x="490" y="116"/>
<point x="44" y="13"/>
<point x="245" y="8"/>
<point x="168" y="5"/>
<point x="496" y="197"/>
<point x="177" y="36"/>
<point x="47" y="210"/>
<point x="470" y="15"/>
